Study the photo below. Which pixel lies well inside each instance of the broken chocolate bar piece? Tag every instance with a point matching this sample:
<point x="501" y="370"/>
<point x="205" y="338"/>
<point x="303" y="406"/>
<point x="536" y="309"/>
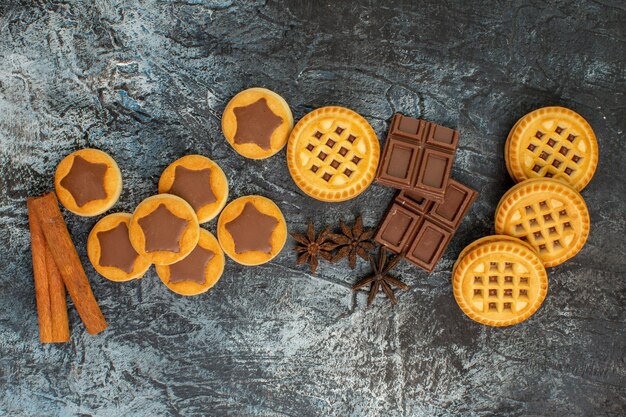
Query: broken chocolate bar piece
<point x="418" y="156"/>
<point x="420" y="228"/>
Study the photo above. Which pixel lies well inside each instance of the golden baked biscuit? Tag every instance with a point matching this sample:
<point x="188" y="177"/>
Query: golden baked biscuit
<point x="110" y="251"/>
<point x="252" y="230"/>
<point x="198" y="271"/>
<point x="164" y="229"/>
<point x="333" y="154"/>
<point x="200" y="182"/>
<point x="257" y="123"/>
<point x="499" y="282"/>
<point x="552" y="142"/>
<point x="88" y="182"/>
<point x="548" y="214"/>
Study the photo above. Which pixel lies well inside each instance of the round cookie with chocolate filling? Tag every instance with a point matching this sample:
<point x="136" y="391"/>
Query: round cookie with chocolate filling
<point x="548" y="214"/>
<point x="88" y="182"/>
<point x="499" y="281"/>
<point x="333" y="154"/>
<point x="110" y="251"/>
<point x="200" y="182"/>
<point x="252" y="230"/>
<point x="257" y="123"/>
<point x="552" y="142"/>
<point x="198" y="271"/>
<point x="164" y="228"/>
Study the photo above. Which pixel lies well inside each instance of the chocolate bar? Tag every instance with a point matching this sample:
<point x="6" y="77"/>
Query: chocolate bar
<point x="418" y="156"/>
<point x="421" y="228"/>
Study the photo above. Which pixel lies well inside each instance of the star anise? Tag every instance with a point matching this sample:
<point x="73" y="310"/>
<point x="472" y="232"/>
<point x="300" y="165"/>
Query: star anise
<point x="380" y="278"/>
<point x="352" y="242"/>
<point x="310" y="248"/>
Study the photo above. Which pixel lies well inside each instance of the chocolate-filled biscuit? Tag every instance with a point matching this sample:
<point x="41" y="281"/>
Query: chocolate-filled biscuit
<point x="499" y="281"/>
<point x="252" y="230"/>
<point x="199" y="181"/>
<point x="552" y="142"/>
<point x="257" y="123"/>
<point x="548" y="214"/>
<point x="332" y="154"/>
<point x="198" y="271"/>
<point x="88" y="182"/>
<point x="110" y="251"/>
<point x="164" y="229"/>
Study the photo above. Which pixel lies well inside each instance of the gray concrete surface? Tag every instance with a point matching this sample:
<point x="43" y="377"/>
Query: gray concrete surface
<point x="147" y="81"/>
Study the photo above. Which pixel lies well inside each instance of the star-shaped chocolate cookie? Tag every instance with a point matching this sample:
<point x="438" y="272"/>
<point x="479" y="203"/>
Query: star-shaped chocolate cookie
<point x="192" y="267"/>
<point x="163" y="230"/>
<point x="85" y="181"/>
<point x="256" y="123"/>
<point x="116" y="250"/>
<point x="193" y="186"/>
<point x="252" y="230"/>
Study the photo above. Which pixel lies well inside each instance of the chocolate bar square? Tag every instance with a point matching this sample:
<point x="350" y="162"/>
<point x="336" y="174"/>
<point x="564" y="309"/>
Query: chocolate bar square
<point x="398" y="227"/>
<point x="428" y="245"/>
<point x="418" y="156"/>
<point x="456" y="203"/>
<point x="421" y="229"/>
<point x="434" y="171"/>
<point x="399" y="167"/>
<point x="442" y="136"/>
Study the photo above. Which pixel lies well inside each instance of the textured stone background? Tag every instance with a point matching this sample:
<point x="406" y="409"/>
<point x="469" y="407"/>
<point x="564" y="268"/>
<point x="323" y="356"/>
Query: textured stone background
<point x="147" y="81"/>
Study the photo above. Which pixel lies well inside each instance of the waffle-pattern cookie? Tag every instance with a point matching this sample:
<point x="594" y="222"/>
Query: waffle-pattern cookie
<point x="552" y="142"/>
<point x="548" y="214"/>
<point x="88" y="182"/>
<point x="333" y="154"/>
<point x="499" y="282"/>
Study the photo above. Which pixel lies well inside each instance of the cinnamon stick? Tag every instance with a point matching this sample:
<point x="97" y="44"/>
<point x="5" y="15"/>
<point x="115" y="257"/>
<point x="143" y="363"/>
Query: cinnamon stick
<point x="40" y="275"/>
<point x="67" y="261"/>
<point x="58" y="304"/>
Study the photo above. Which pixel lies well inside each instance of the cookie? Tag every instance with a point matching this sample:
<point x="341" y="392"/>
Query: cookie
<point x="198" y="271"/>
<point x="199" y="181"/>
<point x="164" y="229"/>
<point x="548" y="214"/>
<point x="88" y="182"/>
<point x="333" y="154"/>
<point x="252" y="230"/>
<point x="499" y="282"/>
<point x="552" y="142"/>
<point x="257" y="123"/>
<point x="110" y="251"/>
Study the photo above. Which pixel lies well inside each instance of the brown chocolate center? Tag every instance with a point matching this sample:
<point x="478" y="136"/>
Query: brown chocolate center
<point x="116" y="250"/>
<point x="252" y="230"/>
<point x="163" y="230"/>
<point x="85" y="181"/>
<point x="192" y="267"/>
<point x="193" y="186"/>
<point x="256" y="123"/>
